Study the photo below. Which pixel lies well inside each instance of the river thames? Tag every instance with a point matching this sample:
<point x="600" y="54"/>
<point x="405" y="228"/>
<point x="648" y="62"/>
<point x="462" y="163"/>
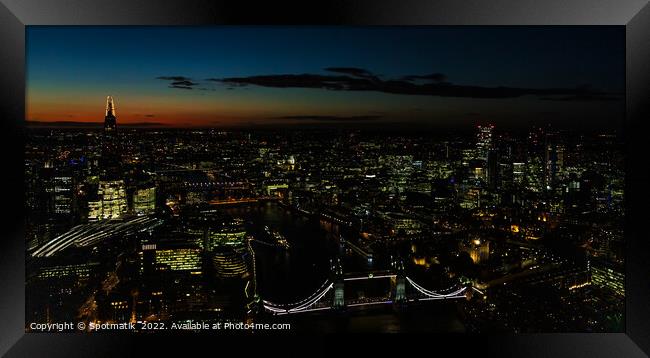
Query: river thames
<point x="289" y="275"/>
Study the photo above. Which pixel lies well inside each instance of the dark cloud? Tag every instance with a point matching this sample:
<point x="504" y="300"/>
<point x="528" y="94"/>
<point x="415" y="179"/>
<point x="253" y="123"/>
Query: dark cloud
<point x="289" y="81"/>
<point x="150" y="115"/>
<point x="220" y="80"/>
<point x="353" y="71"/>
<point x="585" y="98"/>
<point x="330" y="118"/>
<point x="181" y="82"/>
<point x="435" y="77"/>
<point x="357" y="79"/>
<point x="181" y="87"/>
<point x="173" y="78"/>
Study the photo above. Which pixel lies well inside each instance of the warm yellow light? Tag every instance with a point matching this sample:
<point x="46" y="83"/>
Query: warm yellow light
<point x="419" y="261"/>
<point x="576" y="286"/>
<point x="514" y="228"/>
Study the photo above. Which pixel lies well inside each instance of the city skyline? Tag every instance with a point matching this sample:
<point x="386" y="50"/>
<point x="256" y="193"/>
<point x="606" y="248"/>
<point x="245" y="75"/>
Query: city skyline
<point x="152" y="228"/>
<point x="365" y="76"/>
<point x="499" y="219"/>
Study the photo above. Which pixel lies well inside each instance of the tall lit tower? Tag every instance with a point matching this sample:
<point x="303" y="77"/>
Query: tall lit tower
<point x="337" y="275"/>
<point x="110" y="201"/>
<point x="484" y="140"/>
<point x="110" y="153"/>
<point x="110" y="123"/>
<point x="553" y="158"/>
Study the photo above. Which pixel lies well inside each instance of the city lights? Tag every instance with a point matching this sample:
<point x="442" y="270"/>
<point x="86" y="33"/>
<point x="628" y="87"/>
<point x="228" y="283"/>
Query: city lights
<point x="326" y="197"/>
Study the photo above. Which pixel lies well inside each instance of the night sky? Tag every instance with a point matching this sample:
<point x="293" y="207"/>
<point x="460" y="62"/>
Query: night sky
<point x="231" y="76"/>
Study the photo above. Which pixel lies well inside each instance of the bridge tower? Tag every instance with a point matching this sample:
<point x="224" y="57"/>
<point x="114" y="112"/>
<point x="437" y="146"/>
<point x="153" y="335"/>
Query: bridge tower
<point x="254" y="306"/>
<point x="399" y="284"/>
<point x="341" y="245"/>
<point x="339" y="287"/>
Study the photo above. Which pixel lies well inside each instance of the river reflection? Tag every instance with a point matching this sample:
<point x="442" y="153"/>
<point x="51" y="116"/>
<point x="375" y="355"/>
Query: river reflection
<point x="285" y="276"/>
<point x="289" y="275"/>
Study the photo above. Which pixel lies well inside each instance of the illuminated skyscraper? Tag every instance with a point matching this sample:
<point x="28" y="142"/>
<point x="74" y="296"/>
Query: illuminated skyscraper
<point x="535" y="166"/>
<point x="484" y="140"/>
<point x="110" y="122"/>
<point x="179" y="259"/>
<point x="553" y="158"/>
<point x="231" y="262"/>
<point x="58" y="183"/>
<point x="111" y="203"/>
<point x="144" y="200"/>
<point x="608" y="276"/>
<point x="518" y="172"/>
<point x="110" y="152"/>
<point x="228" y="234"/>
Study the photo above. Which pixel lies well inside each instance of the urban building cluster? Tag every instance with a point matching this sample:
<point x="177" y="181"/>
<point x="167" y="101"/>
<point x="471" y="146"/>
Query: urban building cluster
<point x="130" y="224"/>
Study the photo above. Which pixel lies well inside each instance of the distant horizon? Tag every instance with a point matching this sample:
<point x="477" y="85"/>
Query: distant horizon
<point x="394" y="128"/>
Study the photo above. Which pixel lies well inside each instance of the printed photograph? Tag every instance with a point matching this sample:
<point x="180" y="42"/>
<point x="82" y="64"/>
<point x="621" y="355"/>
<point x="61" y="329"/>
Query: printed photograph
<point x="337" y="179"/>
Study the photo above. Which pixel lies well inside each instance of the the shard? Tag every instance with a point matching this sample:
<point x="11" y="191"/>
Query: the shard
<point x="110" y="148"/>
<point x="110" y="124"/>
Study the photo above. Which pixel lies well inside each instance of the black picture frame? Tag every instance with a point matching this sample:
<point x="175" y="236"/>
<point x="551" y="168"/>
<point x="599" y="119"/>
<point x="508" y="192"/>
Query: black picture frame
<point x="633" y="14"/>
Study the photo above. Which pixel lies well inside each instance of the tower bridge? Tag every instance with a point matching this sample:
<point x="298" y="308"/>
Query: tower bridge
<point x="330" y="296"/>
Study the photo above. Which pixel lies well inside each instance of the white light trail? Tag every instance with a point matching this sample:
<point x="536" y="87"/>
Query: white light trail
<point x="369" y="303"/>
<point x="428" y="293"/>
<point x="93" y="233"/>
<point x="322" y="287"/>
<point x="368" y="277"/>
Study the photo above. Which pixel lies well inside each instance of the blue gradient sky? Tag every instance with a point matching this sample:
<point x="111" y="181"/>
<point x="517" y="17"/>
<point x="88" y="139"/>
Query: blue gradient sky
<point x="70" y="71"/>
